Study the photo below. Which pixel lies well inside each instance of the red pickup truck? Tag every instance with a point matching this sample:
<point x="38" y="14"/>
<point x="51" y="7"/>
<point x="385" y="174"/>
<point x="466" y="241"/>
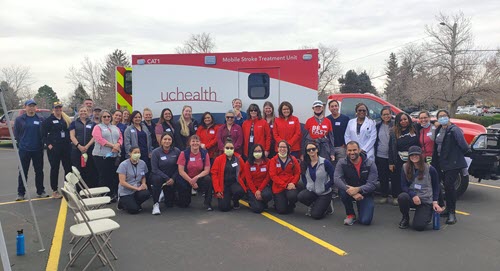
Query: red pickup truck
<point x="13" y="114"/>
<point x="375" y="104"/>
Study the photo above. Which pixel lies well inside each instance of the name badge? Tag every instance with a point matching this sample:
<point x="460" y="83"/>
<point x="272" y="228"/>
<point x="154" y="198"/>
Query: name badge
<point x="291" y="122"/>
<point x="337" y="123"/>
<point x="418" y="186"/>
<point x="263" y="169"/>
<point x="429" y="133"/>
<point x="253" y="169"/>
<point x="63" y="134"/>
<point x="271" y="126"/>
<point x="168" y="130"/>
<point x="142" y="173"/>
<point x="89" y="126"/>
<point x="55" y="121"/>
<point x="192" y="159"/>
<point x="132" y="131"/>
<point x="251" y="139"/>
<point x="212" y="132"/>
<point x="278" y="165"/>
<point x="163" y="158"/>
<point x="196" y="128"/>
<point x="234" y="164"/>
<point x="36" y="122"/>
<point x="324" y="126"/>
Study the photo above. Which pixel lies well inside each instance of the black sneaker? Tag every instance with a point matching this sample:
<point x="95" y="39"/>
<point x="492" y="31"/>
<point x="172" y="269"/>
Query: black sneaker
<point x="236" y="204"/>
<point x="405" y="223"/>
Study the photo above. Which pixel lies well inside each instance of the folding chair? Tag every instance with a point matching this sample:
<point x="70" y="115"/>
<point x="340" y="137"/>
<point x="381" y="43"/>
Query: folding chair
<point x="85" y="191"/>
<point x="89" y="203"/>
<point x="96" y="233"/>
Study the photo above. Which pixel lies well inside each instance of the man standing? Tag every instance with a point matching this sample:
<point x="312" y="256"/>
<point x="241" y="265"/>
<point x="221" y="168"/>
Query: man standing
<point x="28" y="134"/>
<point x="339" y="123"/>
<point x="89" y="104"/>
<point x="355" y="176"/>
<point x="319" y="129"/>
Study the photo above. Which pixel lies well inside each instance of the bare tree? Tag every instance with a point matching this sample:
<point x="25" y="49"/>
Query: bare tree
<point x="88" y="75"/>
<point x="19" y="80"/>
<point x="197" y="43"/>
<point x="329" y="69"/>
<point x="107" y="89"/>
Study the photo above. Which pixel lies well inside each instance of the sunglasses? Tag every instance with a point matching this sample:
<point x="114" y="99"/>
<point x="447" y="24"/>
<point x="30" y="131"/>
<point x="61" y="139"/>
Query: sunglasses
<point x="253" y="110"/>
<point x="361" y="110"/>
<point x="311" y="149"/>
<point x="106" y="117"/>
<point x="229" y="148"/>
<point x="229" y="117"/>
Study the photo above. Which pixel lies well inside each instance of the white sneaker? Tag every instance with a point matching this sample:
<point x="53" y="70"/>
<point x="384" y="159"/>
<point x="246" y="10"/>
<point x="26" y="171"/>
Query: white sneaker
<point x="193" y="192"/>
<point x="162" y="197"/>
<point x="156" y="209"/>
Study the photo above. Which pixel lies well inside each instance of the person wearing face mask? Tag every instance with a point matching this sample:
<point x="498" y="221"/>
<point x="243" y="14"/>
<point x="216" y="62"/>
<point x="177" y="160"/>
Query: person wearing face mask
<point x="255" y="131"/>
<point x="132" y="189"/>
<point x="362" y="130"/>
<point x="257" y="179"/>
<point x="284" y="170"/>
<point x="426" y="134"/>
<point x="227" y="174"/>
<point x="448" y="158"/>
<point x="319" y="129"/>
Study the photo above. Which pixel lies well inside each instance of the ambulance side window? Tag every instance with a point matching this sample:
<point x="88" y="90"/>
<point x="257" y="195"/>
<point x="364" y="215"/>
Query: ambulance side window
<point x="128" y="82"/>
<point x="258" y="86"/>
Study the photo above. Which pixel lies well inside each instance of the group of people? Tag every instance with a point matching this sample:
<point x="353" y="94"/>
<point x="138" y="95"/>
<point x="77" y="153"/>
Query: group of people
<point x="253" y="154"/>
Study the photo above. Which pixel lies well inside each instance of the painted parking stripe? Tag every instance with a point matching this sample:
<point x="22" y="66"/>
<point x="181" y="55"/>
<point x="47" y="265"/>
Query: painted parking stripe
<point x="55" y="249"/>
<point x="485" y="185"/>
<point x="462" y="213"/>
<point x="22" y="201"/>
<point x="301" y="232"/>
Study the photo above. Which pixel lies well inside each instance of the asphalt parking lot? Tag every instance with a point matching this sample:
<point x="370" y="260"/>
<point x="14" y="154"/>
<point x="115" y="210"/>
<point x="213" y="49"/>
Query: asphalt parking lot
<point x="193" y="239"/>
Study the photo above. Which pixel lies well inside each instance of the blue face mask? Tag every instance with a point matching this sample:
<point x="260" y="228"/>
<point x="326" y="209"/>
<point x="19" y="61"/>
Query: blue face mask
<point x="443" y="120"/>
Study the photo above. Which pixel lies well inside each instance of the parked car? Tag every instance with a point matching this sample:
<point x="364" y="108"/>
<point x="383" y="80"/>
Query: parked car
<point x="493" y="129"/>
<point x="13" y="114"/>
<point x="494" y="110"/>
<point x="485" y="155"/>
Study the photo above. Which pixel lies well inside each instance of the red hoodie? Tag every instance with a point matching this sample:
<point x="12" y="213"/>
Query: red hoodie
<point x="209" y="138"/>
<point x="288" y="130"/>
<point x="261" y="134"/>
<point x="218" y="172"/>
<point x="281" y="178"/>
<point x="257" y="175"/>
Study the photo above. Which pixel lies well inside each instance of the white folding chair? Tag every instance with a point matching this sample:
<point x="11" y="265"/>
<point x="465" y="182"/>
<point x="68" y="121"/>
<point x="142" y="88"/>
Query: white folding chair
<point x="89" y="203"/>
<point x="85" y="191"/>
<point x="96" y="233"/>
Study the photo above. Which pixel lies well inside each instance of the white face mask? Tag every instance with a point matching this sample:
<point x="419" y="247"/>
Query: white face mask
<point x="136" y="156"/>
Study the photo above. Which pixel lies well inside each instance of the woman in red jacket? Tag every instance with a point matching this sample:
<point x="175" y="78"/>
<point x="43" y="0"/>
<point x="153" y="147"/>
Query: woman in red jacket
<point x="287" y="127"/>
<point x="257" y="179"/>
<point x="284" y="170"/>
<point x="255" y="131"/>
<point x="227" y="177"/>
<point x="207" y="132"/>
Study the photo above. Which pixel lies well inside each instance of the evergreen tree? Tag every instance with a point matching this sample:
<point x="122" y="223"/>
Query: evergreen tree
<point x="46" y="97"/>
<point x="366" y="84"/>
<point x="78" y="97"/>
<point x="391" y="81"/>
<point x="350" y="83"/>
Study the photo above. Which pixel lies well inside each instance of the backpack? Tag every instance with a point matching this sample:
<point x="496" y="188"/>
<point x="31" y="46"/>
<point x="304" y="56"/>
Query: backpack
<point x="187" y="153"/>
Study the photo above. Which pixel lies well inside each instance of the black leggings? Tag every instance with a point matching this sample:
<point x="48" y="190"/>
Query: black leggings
<point x="449" y="177"/>
<point x="107" y="173"/>
<point x="285" y="201"/>
<point x="60" y="153"/>
<point x="423" y="212"/>
<point x="232" y="192"/>
<point x="258" y="206"/>
<point x="132" y="203"/>
<point x="320" y="203"/>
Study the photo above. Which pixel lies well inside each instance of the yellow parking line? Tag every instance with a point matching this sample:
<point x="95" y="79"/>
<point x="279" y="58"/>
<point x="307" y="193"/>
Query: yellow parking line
<point x="12" y="202"/>
<point x="462" y="213"/>
<point x="55" y="249"/>
<point x="301" y="232"/>
<point x="485" y="185"/>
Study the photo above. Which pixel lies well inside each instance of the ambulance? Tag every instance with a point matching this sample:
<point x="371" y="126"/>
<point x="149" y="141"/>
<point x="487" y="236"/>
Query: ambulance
<point x="210" y="81"/>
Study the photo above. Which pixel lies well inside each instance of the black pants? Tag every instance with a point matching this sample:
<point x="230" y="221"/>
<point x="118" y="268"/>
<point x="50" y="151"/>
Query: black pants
<point x="158" y="187"/>
<point x="384" y="176"/>
<point x="26" y="158"/>
<point x="107" y="173"/>
<point x="258" y="206"/>
<point x="132" y="203"/>
<point x="396" y="178"/>
<point x="285" y="201"/>
<point x="59" y="153"/>
<point x="89" y="171"/>
<point x="184" y="191"/>
<point x="449" y="177"/>
<point x="232" y="192"/>
<point x="423" y="212"/>
<point x="320" y="203"/>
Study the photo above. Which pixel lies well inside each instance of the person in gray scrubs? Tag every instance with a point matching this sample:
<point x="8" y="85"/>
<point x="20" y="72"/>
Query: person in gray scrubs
<point x="132" y="190"/>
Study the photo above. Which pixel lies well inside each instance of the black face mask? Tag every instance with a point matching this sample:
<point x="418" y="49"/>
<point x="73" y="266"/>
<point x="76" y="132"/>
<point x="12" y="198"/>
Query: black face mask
<point x="318" y="114"/>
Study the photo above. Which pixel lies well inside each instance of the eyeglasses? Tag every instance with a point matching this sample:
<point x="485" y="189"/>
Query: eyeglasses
<point x="253" y="110"/>
<point x="229" y="117"/>
<point x="229" y="148"/>
<point x="386" y="114"/>
<point x="311" y="149"/>
<point x="106" y="117"/>
<point x="361" y="110"/>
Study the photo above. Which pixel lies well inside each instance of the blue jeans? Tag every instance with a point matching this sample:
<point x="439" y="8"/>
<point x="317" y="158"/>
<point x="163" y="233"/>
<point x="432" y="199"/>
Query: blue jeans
<point x="365" y="206"/>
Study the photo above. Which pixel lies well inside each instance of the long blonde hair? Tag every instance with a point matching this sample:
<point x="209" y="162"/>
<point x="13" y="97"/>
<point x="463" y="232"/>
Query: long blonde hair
<point x="183" y="123"/>
<point x="65" y="118"/>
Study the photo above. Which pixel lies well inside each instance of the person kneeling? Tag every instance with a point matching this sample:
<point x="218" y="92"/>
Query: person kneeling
<point x="355" y="177"/>
<point x="132" y="189"/>
<point x="257" y="179"/>
<point x="420" y="186"/>
<point x="318" y="178"/>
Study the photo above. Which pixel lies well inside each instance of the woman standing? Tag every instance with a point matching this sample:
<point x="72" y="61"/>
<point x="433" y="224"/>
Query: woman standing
<point x="382" y="154"/>
<point x="125" y="117"/>
<point x="257" y="179"/>
<point x="230" y="130"/>
<point x="165" y="124"/>
<point x="116" y="119"/>
<point x="186" y="127"/>
<point x="108" y="141"/>
<point x="448" y="158"/>
<point x="403" y="135"/>
<point x="420" y="185"/>
<point x="269" y="117"/>
<point x="137" y="134"/>
<point x="164" y="171"/>
<point x="362" y="130"/>
<point x="426" y="134"/>
<point x="317" y="174"/>
<point x="227" y="173"/>
<point x="284" y="170"/>
<point x="133" y="190"/>
<point x="287" y="127"/>
<point x="194" y="170"/>
<point x="55" y="135"/>
<point x="255" y="131"/>
<point x="80" y="133"/>
<point x="208" y="135"/>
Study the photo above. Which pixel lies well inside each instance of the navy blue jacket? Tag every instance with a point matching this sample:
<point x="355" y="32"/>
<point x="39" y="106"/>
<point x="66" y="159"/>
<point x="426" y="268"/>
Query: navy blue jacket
<point x="453" y="149"/>
<point x="55" y="131"/>
<point x="28" y="132"/>
<point x="339" y="126"/>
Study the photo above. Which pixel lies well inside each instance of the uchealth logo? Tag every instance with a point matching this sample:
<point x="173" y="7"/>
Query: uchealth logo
<point x="203" y="95"/>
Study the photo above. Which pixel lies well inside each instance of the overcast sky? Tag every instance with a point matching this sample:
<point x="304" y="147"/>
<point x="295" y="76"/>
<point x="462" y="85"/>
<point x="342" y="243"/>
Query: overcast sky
<point x="51" y="36"/>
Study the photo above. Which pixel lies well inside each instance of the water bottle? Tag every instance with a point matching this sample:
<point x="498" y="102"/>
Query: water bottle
<point x="436" y="221"/>
<point x="20" y="243"/>
<point x="82" y="161"/>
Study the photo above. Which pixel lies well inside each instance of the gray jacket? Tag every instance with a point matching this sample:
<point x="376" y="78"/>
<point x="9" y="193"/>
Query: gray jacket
<point x="322" y="185"/>
<point x="130" y="138"/>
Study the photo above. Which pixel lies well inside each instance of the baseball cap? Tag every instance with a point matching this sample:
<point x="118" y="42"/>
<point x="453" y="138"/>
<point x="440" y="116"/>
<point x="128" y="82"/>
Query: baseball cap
<point x="57" y="104"/>
<point x="317" y="103"/>
<point x="97" y="109"/>
<point x="414" y="150"/>
<point x="30" y="102"/>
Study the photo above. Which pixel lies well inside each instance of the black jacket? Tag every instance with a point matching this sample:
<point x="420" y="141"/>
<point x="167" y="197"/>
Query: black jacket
<point x="55" y="131"/>
<point x="453" y="149"/>
<point x="346" y="174"/>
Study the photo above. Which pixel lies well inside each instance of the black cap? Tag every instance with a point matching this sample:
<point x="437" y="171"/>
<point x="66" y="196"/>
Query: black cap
<point x="414" y="150"/>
